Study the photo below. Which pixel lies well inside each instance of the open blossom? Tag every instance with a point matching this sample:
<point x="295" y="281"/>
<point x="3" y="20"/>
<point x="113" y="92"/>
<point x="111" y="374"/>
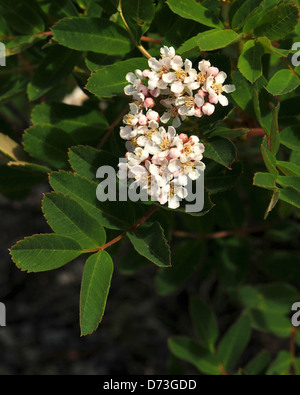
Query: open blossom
<point x="215" y="88"/>
<point x="160" y="160"/>
<point x="172" y="193"/>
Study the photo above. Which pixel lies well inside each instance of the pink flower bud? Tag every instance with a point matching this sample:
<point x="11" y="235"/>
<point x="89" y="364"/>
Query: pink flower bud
<point x="183" y="137"/>
<point x="149" y="102"/>
<point x="126" y="155"/>
<point x="155" y="92"/>
<point x="208" y="109"/>
<point x="174" y="153"/>
<point x="213" y="99"/>
<point x="146" y="73"/>
<point x="202" y="93"/>
<point x="143" y="121"/>
<point x="198" y="112"/>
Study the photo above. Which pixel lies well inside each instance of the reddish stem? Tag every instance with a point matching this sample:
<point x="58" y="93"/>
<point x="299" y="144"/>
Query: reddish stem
<point x="121" y="236"/>
<point x="111" y="128"/>
<point x="151" y="40"/>
<point x="222" y="234"/>
<point x="35" y="35"/>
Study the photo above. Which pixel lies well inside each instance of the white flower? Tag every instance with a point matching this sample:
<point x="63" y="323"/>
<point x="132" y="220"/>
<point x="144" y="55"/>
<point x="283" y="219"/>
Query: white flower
<point x="167" y="52"/>
<point x="214" y="86"/>
<point x="187" y="104"/>
<point x="171" y="113"/>
<point x="158" y="69"/>
<point x="163" y="141"/>
<point x="191" y="150"/>
<point x="161" y="172"/>
<point x="179" y="77"/>
<point x="172" y="193"/>
<point x="182" y="171"/>
<point x="137" y="157"/>
<point x="132" y="118"/>
<point x="127" y="132"/>
<point x="144" y="179"/>
<point x="136" y="88"/>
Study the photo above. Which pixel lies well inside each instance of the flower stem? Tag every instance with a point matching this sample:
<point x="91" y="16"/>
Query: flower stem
<point x="124" y="234"/>
<point x="139" y="47"/>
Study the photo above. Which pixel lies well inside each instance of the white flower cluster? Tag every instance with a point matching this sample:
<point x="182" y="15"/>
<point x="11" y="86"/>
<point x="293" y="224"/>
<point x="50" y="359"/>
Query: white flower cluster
<point x="158" y="159"/>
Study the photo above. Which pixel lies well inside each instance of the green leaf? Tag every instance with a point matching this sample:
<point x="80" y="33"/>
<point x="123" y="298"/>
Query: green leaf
<point x="288" y="168"/>
<point x="274" y="297"/>
<point x="290" y="137"/>
<point x="229" y="133"/>
<point x="41" y="253"/>
<point x="270" y="322"/>
<point x="92" y="34"/>
<point x="11" y="148"/>
<point x="186" y="349"/>
<point x="84" y="124"/>
<point x="243" y="95"/>
<point x="249" y="62"/>
<point x="139" y="15"/>
<point x="233" y="261"/>
<point x="283" y="232"/>
<point x="269" y="48"/>
<point x="289" y="182"/>
<point x="85" y="161"/>
<point x="265" y="180"/>
<point x="274" y="133"/>
<point x="295" y="158"/>
<point x="219" y="179"/>
<point x="256" y="14"/>
<point x="245" y="7"/>
<point x="110" y="80"/>
<point x="259" y="364"/>
<point x="291" y="196"/>
<point x="284" y="81"/>
<point x="273" y="202"/>
<point x="28" y="166"/>
<point x="11" y="85"/>
<point x="220" y="150"/>
<point x="58" y="63"/>
<point x="281" y="265"/>
<point x="21" y="43"/>
<point x="112" y="215"/>
<point x="268" y="157"/>
<point x="67" y="217"/>
<point x="48" y="144"/>
<point x="149" y="241"/>
<point x="281" y="365"/>
<point x="57" y="9"/>
<point x="22" y="16"/>
<point x="278" y="22"/>
<point x="190" y="9"/>
<point x="234" y="342"/>
<point x="205" y="323"/>
<point x="95" y="285"/>
<point x="185" y="259"/>
<point x="210" y="40"/>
